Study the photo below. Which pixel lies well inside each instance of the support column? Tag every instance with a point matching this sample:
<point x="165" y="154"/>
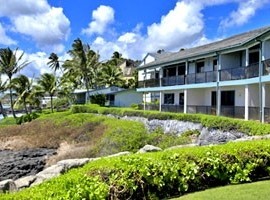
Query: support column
<point x="218" y="93"/>
<point x="246" y="102"/>
<point x="160" y="100"/>
<point x="263" y="102"/>
<point x="185" y="101"/>
<point x="247" y="89"/>
<point x="144" y="101"/>
<point x="260" y="83"/>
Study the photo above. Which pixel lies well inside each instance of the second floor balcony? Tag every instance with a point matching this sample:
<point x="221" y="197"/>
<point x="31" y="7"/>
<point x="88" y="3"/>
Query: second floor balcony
<point x="236" y="73"/>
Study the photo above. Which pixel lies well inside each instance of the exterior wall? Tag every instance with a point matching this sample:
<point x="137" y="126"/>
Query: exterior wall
<point x="140" y="75"/>
<point x="208" y="65"/>
<point x="267" y="96"/>
<point x="196" y="97"/>
<point x="126" y="98"/>
<point x="149" y="59"/>
<point x="239" y="94"/>
<point x="191" y="68"/>
<point x="231" y="60"/>
<point x="266" y="50"/>
<point x="254" y="95"/>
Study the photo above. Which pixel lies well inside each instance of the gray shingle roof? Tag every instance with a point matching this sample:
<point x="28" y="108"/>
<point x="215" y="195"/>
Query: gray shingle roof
<point x="231" y="42"/>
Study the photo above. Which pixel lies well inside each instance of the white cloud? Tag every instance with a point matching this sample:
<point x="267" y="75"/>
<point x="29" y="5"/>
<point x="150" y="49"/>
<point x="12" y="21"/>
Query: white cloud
<point x="46" y="29"/>
<point x="179" y="27"/>
<point x="26" y="7"/>
<point x="4" y="39"/>
<point x="101" y="18"/>
<point x="128" y="38"/>
<point x="244" y="12"/>
<point x="47" y="26"/>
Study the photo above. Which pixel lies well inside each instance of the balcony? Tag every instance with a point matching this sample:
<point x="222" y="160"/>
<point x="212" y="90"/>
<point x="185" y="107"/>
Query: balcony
<point x="173" y="80"/>
<point x="149" y="83"/>
<point x="229" y="74"/>
<point x="204" y="77"/>
<point x="239" y="73"/>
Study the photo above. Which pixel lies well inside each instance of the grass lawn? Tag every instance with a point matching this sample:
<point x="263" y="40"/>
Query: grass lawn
<point x="251" y="191"/>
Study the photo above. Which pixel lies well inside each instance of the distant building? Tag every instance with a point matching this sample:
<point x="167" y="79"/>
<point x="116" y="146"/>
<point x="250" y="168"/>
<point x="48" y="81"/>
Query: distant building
<point x="115" y="96"/>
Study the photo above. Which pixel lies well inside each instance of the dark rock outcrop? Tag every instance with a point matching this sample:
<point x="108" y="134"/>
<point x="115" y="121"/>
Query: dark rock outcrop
<point x="17" y="164"/>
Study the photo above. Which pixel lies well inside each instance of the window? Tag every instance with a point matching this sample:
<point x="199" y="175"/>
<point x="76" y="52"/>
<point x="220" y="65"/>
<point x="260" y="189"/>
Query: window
<point x="181" y="69"/>
<point x="171" y="71"/>
<point x="181" y="99"/>
<point x="254" y="57"/>
<point x="215" y="66"/>
<point x="200" y="66"/>
<point x="169" y="98"/>
<point x="227" y="98"/>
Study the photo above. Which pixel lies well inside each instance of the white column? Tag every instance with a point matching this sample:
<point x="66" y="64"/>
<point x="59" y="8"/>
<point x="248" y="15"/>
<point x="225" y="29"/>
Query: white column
<point x="246" y="102"/>
<point x="263" y="101"/>
<point x="160" y="100"/>
<point x="218" y="93"/>
<point x="185" y="101"/>
<point x="247" y="57"/>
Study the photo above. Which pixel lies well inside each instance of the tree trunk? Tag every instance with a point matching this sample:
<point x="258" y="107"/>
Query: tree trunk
<point x="51" y="104"/>
<point x="3" y="112"/>
<point x="25" y="106"/>
<point x="11" y="100"/>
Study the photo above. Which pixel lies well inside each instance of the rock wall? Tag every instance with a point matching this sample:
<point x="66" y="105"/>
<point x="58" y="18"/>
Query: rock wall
<point x="16" y="164"/>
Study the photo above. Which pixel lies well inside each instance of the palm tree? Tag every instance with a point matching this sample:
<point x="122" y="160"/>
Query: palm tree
<point x="48" y="84"/>
<point x="111" y="75"/>
<point x="2" y="89"/>
<point x="54" y="63"/>
<point x="10" y="65"/>
<point x="22" y="85"/>
<point x="84" y="64"/>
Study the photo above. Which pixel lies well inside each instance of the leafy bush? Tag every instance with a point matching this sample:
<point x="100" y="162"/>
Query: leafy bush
<point x="61" y="103"/>
<point x="158" y="175"/>
<point x="27" y="118"/>
<point x="212" y="122"/>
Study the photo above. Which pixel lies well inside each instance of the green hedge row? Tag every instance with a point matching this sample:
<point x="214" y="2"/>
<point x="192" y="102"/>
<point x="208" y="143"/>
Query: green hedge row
<point x="158" y="175"/>
<point x="212" y="122"/>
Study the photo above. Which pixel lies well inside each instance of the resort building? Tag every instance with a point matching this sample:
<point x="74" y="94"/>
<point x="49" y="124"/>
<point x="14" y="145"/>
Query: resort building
<point x="230" y="77"/>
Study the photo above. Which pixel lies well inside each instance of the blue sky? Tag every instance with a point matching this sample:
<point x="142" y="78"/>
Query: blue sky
<point x="132" y="27"/>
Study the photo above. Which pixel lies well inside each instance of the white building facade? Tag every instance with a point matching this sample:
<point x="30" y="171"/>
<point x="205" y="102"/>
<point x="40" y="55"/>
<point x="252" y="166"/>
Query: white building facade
<point x="230" y="77"/>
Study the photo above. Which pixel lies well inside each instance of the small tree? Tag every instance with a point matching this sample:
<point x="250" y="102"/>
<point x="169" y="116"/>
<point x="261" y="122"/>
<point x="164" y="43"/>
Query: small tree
<point x="10" y="64"/>
<point x="48" y="84"/>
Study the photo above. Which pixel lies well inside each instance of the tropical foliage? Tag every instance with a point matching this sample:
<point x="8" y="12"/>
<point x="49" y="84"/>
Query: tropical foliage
<point x="83" y="70"/>
<point x="10" y="64"/>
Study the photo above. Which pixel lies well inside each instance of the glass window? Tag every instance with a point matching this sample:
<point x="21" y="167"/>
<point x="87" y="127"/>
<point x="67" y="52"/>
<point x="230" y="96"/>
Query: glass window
<point x="169" y="98"/>
<point x="200" y="66"/>
<point x="181" y="99"/>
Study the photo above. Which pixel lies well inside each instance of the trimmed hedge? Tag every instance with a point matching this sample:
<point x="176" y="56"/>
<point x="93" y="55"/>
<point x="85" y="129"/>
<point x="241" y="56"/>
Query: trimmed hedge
<point x="158" y="175"/>
<point x="212" y="122"/>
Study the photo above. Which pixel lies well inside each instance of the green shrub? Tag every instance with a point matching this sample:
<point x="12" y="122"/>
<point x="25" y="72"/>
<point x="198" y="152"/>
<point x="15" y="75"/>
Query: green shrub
<point x="212" y="122"/>
<point x="158" y="175"/>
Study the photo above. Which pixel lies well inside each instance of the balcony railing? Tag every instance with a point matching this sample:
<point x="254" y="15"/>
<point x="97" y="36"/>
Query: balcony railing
<point x="149" y="107"/>
<point x="233" y="111"/>
<point x="203" y="77"/>
<point x="149" y="83"/>
<point x="209" y="110"/>
<point x="172" y="108"/>
<point x="173" y="80"/>
<point x="237" y="73"/>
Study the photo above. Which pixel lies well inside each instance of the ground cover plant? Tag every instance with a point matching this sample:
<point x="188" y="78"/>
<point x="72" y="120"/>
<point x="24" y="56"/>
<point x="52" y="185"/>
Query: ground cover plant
<point x="209" y="121"/>
<point x="85" y="134"/>
<point x="158" y="175"/>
